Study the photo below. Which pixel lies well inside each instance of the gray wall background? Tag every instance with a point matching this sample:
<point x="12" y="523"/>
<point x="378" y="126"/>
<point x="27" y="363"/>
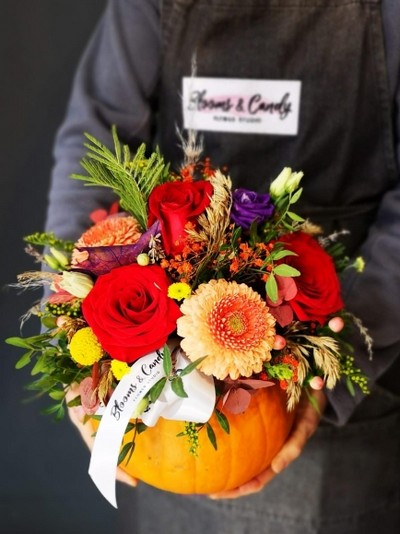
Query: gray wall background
<point x="44" y="486"/>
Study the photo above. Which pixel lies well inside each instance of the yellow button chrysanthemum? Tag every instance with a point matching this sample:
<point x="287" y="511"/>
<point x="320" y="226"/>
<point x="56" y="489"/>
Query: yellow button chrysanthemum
<point x="119" y="369"/>
<point x="85" y="348"/>
<point x="179" y="291"/>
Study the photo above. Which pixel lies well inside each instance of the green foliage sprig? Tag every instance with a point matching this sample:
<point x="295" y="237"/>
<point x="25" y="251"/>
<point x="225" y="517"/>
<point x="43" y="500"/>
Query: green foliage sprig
<point x="48" y="239"/>
<point x="287" y="219"/>
<point x="353" y="375"/>
<point x="53" y="364"/>
<point x="128" y="449"/>
<point x="131" y="178"/>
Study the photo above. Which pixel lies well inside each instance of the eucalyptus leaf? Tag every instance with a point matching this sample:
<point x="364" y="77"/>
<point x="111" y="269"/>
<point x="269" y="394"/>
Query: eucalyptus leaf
<point x="126" y="449"/>
<point x="211" y="436"/>
<point x="49" y="321"/>
<point x="24" y="360"/>
<point x="167" y="360"/>
<point x="18" y="342"/>
<point x="94" y="417"/>
<point x="76" y="401"/>
<point x="60" y="413"/>
<point x="57" y="395"/>
<point x="294" y="198"/>
<point x="40" y="366"/>
<point x="350" y="386"/>
<point x="286" y="270"/>
<point x="156" y="390"/>
<point x="177" y="387"/>
<point x="44" y="383"/>
<point x="313" y="401"/>
<point x="141" y="427"/>
<point x="236" y="234"/>
<point x="189" y="368"/>
<point x="129" y="427"/>
<point x="253" y="232"/>
<point x="295" y="217"/>
<point x="223" y="421"/>
<point x="51" y="409"/>
<point x="279" y="254"/>
<point x="37" y="341"/>
<point x="271" y="288"/>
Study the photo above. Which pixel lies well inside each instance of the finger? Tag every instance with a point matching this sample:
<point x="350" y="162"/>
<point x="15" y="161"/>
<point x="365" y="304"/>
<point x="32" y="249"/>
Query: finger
<point x="254" y="485"/>
<point x="289" y="452"/>
<point x="306" y="423"/>
<point x="72" y="391"/>
<point x="123" y="477"/>
<point x="294" y="446"/>
<point x="77" y="415"/>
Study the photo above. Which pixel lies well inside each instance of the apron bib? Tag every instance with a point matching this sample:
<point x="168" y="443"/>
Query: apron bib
<point x="344" y="142"/>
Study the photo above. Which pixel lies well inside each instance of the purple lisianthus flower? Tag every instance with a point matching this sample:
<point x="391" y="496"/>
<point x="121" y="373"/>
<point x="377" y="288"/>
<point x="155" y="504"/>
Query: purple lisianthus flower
<point x="249" y="206"/>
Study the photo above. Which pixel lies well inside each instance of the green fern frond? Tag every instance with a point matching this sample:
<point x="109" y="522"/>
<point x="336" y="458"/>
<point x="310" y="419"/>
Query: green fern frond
<point x="131" y="178"/>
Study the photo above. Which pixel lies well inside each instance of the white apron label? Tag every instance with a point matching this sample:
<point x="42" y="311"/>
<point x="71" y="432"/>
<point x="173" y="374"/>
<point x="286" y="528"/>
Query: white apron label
<point x="242" y="106"/>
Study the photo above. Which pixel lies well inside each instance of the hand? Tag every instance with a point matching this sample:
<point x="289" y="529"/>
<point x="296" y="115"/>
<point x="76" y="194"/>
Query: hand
<point x="306" y="422"/>
<point x="77" y="416"/>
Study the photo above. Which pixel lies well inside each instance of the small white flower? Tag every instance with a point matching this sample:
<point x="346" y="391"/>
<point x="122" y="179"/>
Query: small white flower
<point x="51" y="262"/>
<point x="60" y="257"/>
<point x="286" y="182"/>
<point x="78" y="284"/>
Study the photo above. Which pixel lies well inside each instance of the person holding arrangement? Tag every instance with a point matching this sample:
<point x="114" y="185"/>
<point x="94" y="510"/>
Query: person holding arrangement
<point x="333" y="69"/>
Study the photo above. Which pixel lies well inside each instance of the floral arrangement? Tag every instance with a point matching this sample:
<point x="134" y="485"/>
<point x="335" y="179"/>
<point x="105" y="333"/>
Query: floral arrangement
<point x="248" y="289"/>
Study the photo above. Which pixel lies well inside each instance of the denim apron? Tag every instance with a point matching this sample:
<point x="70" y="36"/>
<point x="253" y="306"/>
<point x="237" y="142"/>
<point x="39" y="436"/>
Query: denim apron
<point x="342" y="483"/>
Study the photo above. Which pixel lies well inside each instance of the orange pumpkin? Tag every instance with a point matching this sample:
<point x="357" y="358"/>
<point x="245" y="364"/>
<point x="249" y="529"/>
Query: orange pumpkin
<point x="162" y="459"/>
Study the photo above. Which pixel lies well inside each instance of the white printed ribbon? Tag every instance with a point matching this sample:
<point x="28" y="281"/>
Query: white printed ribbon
<point x="144" y="373"/>
<point x="197" y="406"/>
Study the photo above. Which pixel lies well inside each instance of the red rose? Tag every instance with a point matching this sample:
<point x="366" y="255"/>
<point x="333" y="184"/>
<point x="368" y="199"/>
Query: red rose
<point x="318" y="294"/>
<point x="130" y="312"/>
<point x="174" y="204"/>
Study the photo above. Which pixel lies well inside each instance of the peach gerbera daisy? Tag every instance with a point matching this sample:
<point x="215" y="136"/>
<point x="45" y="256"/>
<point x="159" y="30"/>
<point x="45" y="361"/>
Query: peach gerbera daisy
<point x="115" y="230"/>
<point x="231" y="325"/>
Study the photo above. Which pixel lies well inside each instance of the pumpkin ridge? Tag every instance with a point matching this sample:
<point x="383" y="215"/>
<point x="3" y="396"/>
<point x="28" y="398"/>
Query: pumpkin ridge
<point x="228" y="477"/>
